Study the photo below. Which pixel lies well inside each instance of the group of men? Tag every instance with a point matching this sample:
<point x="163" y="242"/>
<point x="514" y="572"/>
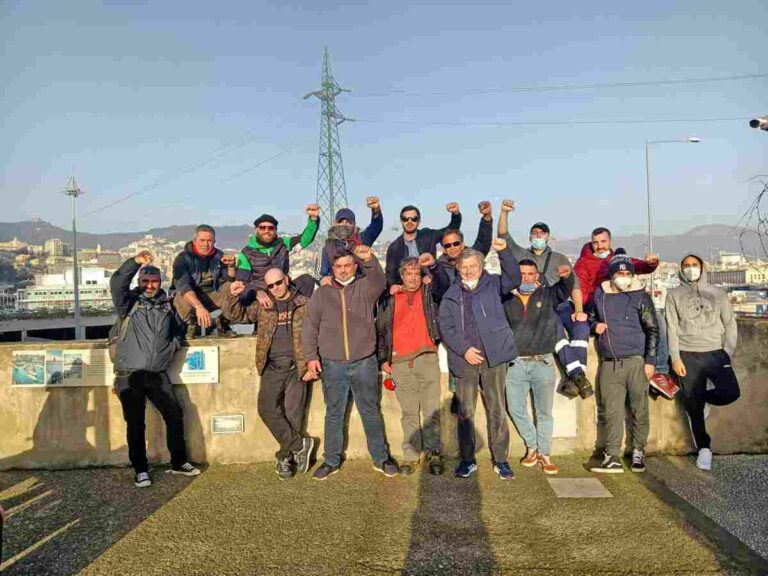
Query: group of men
<point x="503" y="333"/>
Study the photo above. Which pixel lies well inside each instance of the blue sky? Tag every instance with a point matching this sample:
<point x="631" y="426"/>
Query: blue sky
<point x="131" y="93"/>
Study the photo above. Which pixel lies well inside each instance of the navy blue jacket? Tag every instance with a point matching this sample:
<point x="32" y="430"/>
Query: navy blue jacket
<point x="367" y="238"/>
<point x="482" y="244"/>
<point x="496" y="336"/>
<point x="188" y="269"/>
<point x="631" y="318"/>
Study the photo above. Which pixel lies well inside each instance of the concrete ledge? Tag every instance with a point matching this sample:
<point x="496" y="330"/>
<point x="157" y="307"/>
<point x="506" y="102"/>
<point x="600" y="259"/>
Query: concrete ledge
<point x="76" y="427"/>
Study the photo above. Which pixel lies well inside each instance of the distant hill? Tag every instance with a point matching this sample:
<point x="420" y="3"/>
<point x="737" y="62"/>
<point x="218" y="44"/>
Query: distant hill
<point x="701" y="240"/>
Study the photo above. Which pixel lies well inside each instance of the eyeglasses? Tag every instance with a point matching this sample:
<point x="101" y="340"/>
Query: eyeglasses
<point x="409" y="218"/>
<point x="275" y="284"/>
<point x="452" y="244"/>
<point x="266" y="227"/>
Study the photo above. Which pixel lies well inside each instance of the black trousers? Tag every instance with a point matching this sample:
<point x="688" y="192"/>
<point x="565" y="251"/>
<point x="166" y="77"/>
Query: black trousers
<point x="716" y="367"/>
<point x="133" y="389"/>
<point x="281" y="402"/>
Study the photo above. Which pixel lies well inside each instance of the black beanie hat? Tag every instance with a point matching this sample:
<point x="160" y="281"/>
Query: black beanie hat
<point x="620" y="262"/>
<point x="265" y="218"/>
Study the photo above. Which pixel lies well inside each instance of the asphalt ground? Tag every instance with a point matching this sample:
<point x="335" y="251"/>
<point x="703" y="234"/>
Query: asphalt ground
<point x="240" y="519"/>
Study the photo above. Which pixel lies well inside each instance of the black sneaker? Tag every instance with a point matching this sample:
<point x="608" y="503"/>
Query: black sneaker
<point x="284" y="468"/>
<point x="638" y="461"/>
<point x="142" y="480"/>
<point x="185" y="469"/>
<point x="569" y="388"/>
<point x="609" y="465"/>
<point x="436" y="467"/>
<point x="324" y="471"/>
<point x="388" y="468"/>
<point x="408" y="468"/>
<point x="302" y="456"/>
<point x="584" y="386"/>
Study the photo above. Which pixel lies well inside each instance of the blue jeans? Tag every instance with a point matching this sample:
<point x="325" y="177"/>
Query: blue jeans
<point x="362" y="378"/>
<point x="662" y="354"/>
<point x="525" y="376"/>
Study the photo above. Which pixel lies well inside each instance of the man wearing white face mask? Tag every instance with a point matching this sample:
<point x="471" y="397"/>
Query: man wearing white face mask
<point x="624" y="318"/>
<point x="702" y="339"/>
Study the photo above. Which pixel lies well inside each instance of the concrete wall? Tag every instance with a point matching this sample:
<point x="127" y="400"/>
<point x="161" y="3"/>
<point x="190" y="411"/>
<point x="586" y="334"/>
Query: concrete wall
<point x="73" y="427"/>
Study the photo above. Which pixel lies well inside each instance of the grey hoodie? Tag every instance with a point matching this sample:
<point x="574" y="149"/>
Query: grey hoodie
<point x="699" y="317"/>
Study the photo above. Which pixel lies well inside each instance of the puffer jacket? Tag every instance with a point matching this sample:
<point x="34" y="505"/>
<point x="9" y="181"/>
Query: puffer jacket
<point x="153" y="332"/>
<point x="591" y="271"/>
<point x="633" y="329"/>
<point x="265" y="320"/>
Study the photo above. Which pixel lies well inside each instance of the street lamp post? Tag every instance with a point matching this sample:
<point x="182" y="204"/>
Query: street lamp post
<point x="72" y="190"/>
<point x="648" y="144"/>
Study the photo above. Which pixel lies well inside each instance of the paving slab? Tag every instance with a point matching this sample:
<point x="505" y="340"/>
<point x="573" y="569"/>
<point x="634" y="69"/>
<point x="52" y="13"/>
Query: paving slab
<point x="578" y="488"/>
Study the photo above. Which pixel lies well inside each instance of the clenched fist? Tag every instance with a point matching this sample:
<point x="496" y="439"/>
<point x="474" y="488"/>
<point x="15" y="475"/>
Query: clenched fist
<point x="313" y="211"/>
<point x="373" y="203"/>
<point x="485" y="209"/>
<point x="564" y="271"/>
<point x="143" y="257"/>
<point x="651" y="258"/>
<point x="426" y="260"/>
<point x="236" y="288"/>
<point x="507" y="206"/>
<point x="499" y="244"/>
<point x="452" y="207"/>
<point x="363" y="252"/>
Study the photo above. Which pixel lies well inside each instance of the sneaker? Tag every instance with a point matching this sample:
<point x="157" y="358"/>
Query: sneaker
<point x="301" y="458"/>
<point x="530" y="458"/>
<point x="284" y="468"/>
<point x="436" y="467"/>
<point x="324" y="471"/>
<point x="547" y="465"/>
<point x="638" y="461"/>
<point x="704" y="459"/>
<point x="584" y="386"/>
<point x="142" y="480"/>
<point x="223" y="329"/>
<point x="609" y="465"/>
<point x="665" y="385"/>
<point x="388" y="468"/>
<point x="569" y="389"/>
<point x="185" y="469"/>
<point x="408" y="468"/>
<point x="465" y="469"/>
<point x="504" y="471"/>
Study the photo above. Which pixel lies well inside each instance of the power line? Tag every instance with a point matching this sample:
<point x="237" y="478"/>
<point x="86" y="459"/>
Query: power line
<point x="552" y="122"/>
<point x="563" y="87"/>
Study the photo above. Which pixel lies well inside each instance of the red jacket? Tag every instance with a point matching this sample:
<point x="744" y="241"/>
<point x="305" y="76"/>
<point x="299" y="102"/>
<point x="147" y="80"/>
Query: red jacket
<point x="591" y="271"/>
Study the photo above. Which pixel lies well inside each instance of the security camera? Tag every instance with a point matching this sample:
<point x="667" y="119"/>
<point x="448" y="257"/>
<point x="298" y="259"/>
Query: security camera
<point x="761" y="123"/>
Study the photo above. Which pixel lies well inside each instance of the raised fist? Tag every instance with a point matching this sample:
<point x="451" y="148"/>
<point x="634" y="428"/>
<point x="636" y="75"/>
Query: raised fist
<point x="426" y="260"/>
<point x="143" y="257"/>
<point x="228" y="260"/>
<point x="485" y="208"/>
<point x="507" y="206"/>
<point x="373" y="203"/>
<point x="651" y="258"/>
<point x="313" y="211"/>
<point x="452" y="207"/>
<point x="363" y="252"/>
<point x="499" y="244"/>
<point x="236" y="288"/>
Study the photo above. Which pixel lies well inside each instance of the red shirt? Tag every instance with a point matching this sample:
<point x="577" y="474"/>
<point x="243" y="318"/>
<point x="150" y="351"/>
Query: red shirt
<point x="410" y="336"/>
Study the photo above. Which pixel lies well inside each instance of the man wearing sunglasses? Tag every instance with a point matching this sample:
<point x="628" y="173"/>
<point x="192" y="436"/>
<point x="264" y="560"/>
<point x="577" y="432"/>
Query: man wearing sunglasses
<point x="281" y="365"/>
<point x="267" y="250"/>
<point x="453" y="241"/>
<point x="415" y="241"/>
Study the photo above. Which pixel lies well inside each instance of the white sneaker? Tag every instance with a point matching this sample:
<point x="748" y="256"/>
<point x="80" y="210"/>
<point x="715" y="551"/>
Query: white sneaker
<point x="142" y="480"/>
<point x="704" y="460"/>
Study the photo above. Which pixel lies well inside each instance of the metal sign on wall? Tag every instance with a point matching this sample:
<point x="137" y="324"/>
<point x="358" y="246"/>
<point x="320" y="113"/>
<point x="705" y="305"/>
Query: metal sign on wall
<point x="62" y="368"/>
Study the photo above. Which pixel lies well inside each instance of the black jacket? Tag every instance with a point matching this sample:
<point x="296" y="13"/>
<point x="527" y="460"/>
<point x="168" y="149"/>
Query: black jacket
<point x="427" y="240"/>
<point x="536" y="326"/>
<point x="633" y="329"/>
<point x="430" y="297"/>
<point x="154" y="331"/>
<point x="188" y="269"/>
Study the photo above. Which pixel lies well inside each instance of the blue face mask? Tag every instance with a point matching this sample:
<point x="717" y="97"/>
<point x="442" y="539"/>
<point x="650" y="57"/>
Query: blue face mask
<point x="527" y="288"/>
<point x="602" y="255"/>
<point x="538" y="243"/>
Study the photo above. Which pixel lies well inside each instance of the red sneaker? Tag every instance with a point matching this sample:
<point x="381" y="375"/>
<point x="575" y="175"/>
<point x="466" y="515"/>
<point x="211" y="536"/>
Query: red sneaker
<point x="665" y="385"/>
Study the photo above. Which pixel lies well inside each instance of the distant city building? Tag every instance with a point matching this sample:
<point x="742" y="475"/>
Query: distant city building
<point x="57" y="291"/>
<point x="14" y="245"/>
<point x="55" y="247"/>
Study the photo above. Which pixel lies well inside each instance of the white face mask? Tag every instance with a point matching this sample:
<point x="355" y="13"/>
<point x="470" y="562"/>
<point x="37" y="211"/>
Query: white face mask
<point x="602" y="255"/>
<point x="471" y="283"/>
<point x="692" y="273"/>
<point x="622" y="282"/>
<point x="346" y="282"/>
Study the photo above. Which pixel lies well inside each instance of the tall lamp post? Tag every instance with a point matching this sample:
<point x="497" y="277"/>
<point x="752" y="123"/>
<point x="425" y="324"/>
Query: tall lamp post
<point x="73" y="190"/>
